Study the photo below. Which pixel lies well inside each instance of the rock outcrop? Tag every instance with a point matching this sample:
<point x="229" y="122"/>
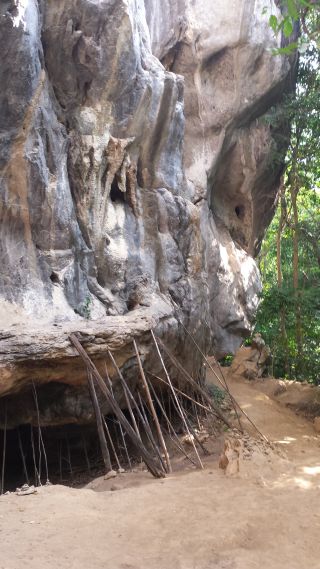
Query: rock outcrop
<point x="252" y="361"/>
<point x="138" y="175"/>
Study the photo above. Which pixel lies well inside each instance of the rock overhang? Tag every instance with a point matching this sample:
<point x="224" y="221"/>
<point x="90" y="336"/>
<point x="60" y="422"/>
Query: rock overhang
<point x="136" y="170"/>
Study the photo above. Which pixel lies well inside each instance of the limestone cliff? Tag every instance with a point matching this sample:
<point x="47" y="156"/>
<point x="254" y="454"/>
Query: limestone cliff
<point x="137" y="179"/>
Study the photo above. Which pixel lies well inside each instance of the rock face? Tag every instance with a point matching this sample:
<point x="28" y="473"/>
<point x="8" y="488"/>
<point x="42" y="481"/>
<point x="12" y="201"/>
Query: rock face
<point x="137" y="177"/>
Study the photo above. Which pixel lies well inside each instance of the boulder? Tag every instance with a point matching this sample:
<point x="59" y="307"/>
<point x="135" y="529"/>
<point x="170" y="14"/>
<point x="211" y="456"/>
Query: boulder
<point x="251" y="361"/>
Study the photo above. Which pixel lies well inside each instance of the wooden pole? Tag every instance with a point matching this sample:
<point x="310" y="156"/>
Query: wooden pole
<point x="23" y="458"/>
<point x="118" y="422"/>
<point x="111" y="442"/>
<point x="39" y="431"/>
<point x="195" y="385"/>
<point x="202" y="406"/>
<point x="152" y="409"/>
<point x="224" y="383"/>
<point x="150" y="434"/>
<point x="129" y="406"/>
<point x="170" y="426"/>
<point x="69" y="455"/>
<point x="60" y="459"/>
<point x="86" y="454"/>
<point x="97" y="412"/>
<point x="191" y="429"/>
<point x="231" y="396"/>
<point x="148" y="459"/>
<point x="175" y="398"/>
<point x="130" y="398"/>
<point x="41" y="442"/>
<point x="36" y="474"/>
<point x="4" y="448"/>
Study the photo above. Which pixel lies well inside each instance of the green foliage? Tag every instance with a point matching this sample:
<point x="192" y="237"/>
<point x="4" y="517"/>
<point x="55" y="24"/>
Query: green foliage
<point x="85" y="308"/>
<point x="304" y="13"/>
<point x="217" y="394"/>
<point x="281" y="302"/>
<point x="226" y="361"/>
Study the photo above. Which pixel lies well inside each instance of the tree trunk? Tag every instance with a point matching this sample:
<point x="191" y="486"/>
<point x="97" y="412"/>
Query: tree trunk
<point x="283" y="331"/>
<point x="295" y="262"/>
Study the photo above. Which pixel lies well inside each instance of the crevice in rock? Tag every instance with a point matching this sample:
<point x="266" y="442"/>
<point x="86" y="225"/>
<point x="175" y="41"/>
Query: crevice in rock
<point x="54" y="277"/>
<point x="116" y="195"/>
<point x="240" y="211"/>
<point x="169" y="59"/>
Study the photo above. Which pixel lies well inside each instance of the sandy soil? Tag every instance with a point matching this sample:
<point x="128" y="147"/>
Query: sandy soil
<point x="266" y="516"/>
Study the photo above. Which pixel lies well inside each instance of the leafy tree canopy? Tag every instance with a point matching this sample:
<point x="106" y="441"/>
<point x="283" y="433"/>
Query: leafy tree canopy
<point x="299" y="23"/>
<point x="289" y="315"/>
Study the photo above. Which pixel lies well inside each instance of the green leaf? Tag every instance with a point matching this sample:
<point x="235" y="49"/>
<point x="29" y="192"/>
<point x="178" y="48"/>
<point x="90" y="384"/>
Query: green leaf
<point x="307" y="4"/>
<point x="285" y="50"/>
<point x="287" y="27"/>
<point x="273" y="23"/>
<point x="292" y="9"/>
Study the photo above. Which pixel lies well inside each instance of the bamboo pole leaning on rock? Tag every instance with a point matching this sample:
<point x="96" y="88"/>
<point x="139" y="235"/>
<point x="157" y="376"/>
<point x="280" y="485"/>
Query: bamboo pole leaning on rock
<point x="126" y="395"/>
<point x="223" y="383"/>
<point x="195" y="385"/>
<point x="197" y="403"/>
<point x="111" y="444"/>
<point x="118" y="422"/>
<point x="191" y="429"/>
<point x="23" y="458"/>
<point x="4" y="448"/>
<point x="60" y="459"/>
<point x="234" y="401"/>
<point x="130" y="399"/>
<point x="148" y="459"/>
<point x="152" y="410"/>
<point x="36" y="474"/>
<point x="86" y="454"/>
<point x="170" y="426"/>
<point x="41" y="441"/>
<point x="149" y="433"/>
<point x="175" y="397"/>
<point x="99" y="422"/>
<point x="69" y="456"/>
<point x="195" y="412"/>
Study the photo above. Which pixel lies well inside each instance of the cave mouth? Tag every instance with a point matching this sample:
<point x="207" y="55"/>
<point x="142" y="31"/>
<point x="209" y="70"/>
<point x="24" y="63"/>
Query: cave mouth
<point x="66" y="454"/>
<point x="40" y="443"/>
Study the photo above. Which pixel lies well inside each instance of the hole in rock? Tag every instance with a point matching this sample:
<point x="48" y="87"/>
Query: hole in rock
<point x="239" y="211"/>
<point x="116" y="195"/>
<point x="54" y="277"/>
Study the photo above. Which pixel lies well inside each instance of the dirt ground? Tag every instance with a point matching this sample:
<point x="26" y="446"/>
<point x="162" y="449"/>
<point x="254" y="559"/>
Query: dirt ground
<point x="267" y="515"/>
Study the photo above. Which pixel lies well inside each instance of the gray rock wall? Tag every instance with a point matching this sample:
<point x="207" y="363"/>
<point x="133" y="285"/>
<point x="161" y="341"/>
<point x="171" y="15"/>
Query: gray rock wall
<point x="137" y="173"/>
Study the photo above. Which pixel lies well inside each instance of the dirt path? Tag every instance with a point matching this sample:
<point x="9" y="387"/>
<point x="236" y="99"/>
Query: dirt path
<point x="267" y="516"/>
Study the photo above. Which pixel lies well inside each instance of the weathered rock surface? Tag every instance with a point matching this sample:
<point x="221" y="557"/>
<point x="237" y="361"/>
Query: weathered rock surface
<point x="252" y="361"/>
<point x="137" y="177"/>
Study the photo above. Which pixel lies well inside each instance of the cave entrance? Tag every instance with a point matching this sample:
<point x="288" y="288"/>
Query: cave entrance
<point x="33" y="453"/>
<point x="68" y="454"/>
